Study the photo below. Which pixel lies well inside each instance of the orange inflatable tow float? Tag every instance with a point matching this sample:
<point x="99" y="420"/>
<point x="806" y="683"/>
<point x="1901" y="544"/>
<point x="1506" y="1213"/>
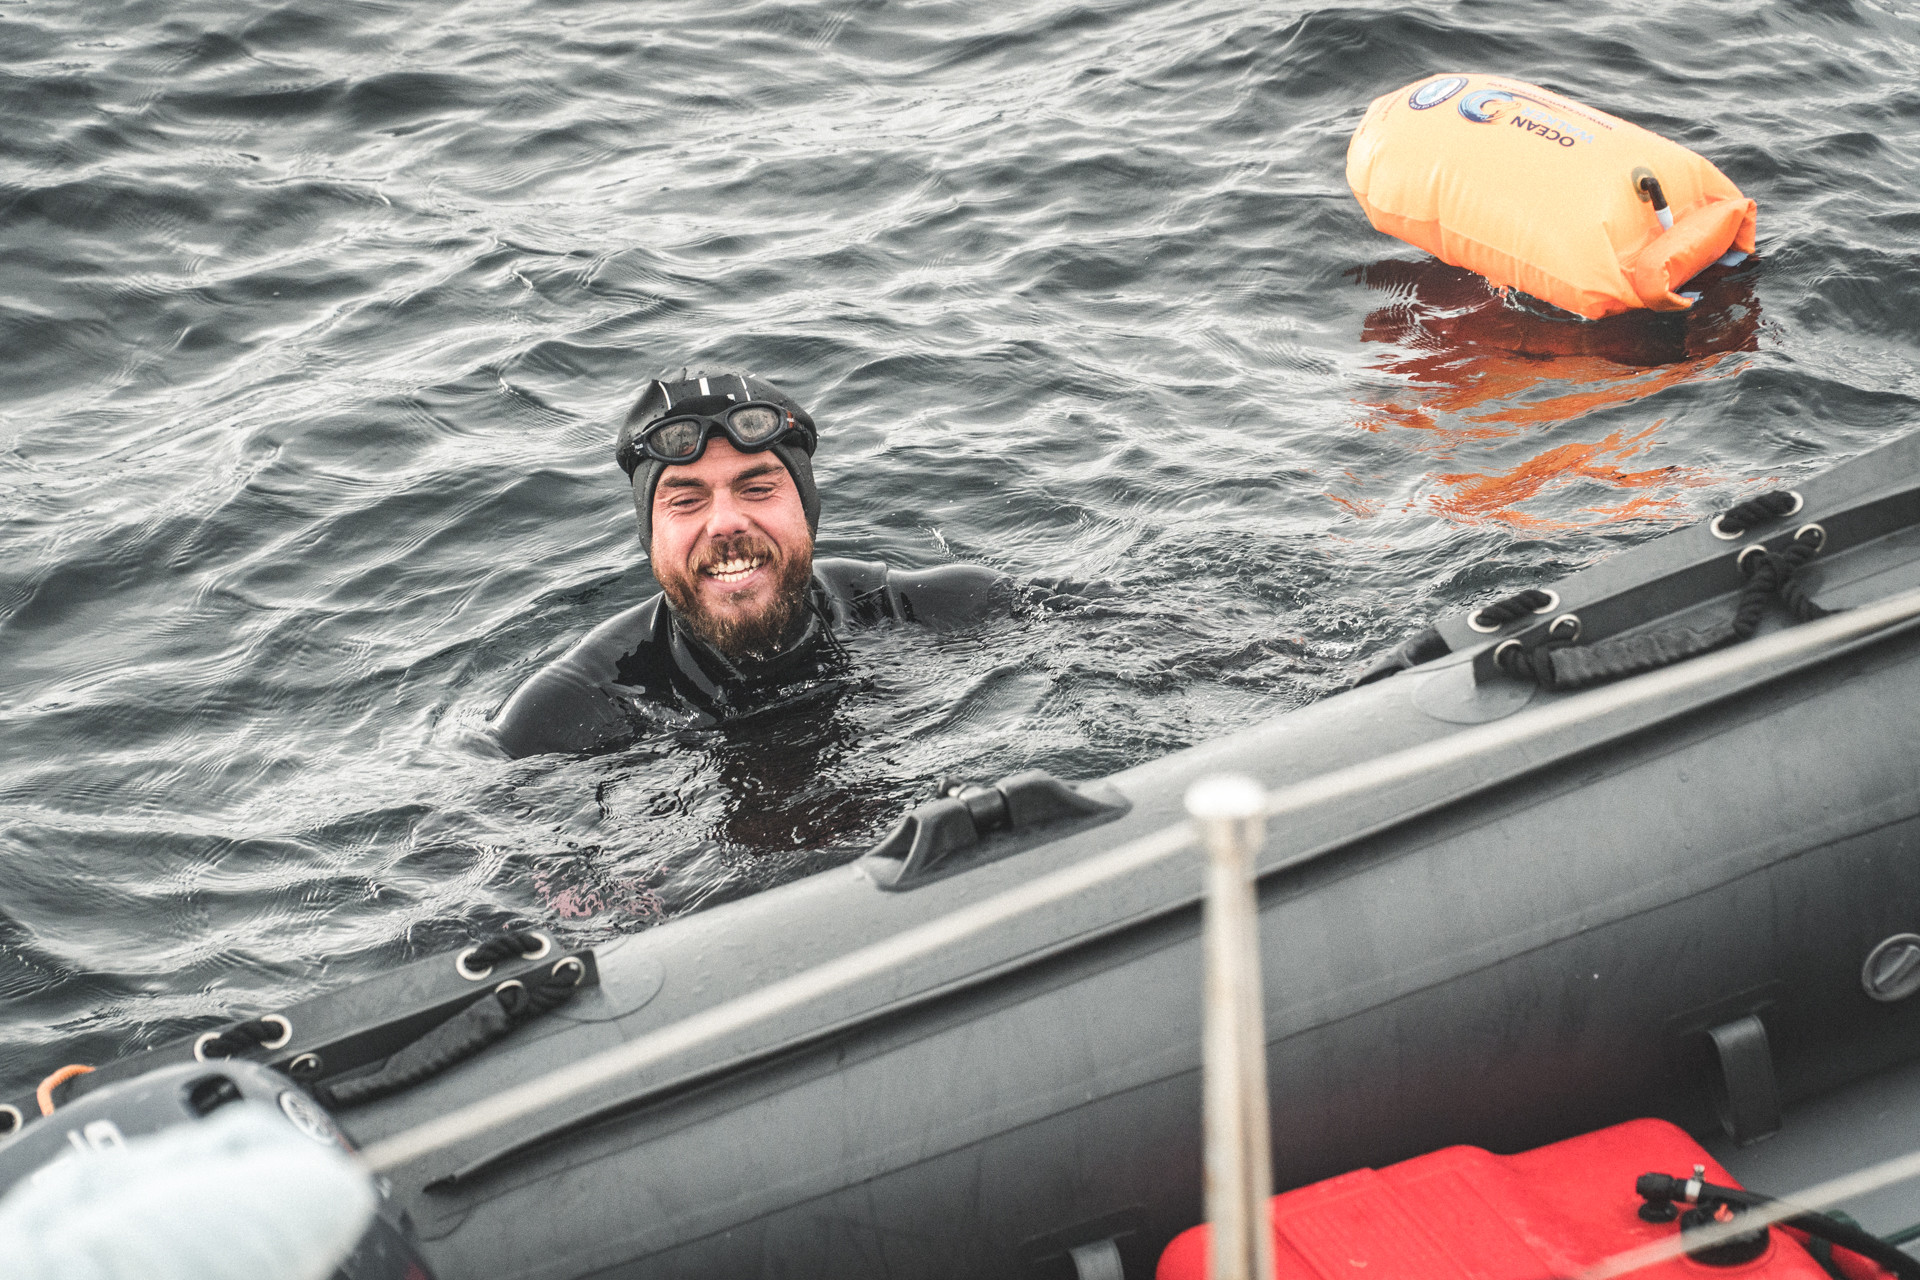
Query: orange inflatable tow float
<point x="1539" y="193"/>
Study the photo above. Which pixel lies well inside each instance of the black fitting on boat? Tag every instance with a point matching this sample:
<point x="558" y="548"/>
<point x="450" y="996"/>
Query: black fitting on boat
<point x="207" y="1096"/>
<point x="988" y="809"/>
<point x="1716" y="1203"/>
<point x="1657" y="1191"/>
<point x="1734" y="1251"/>
<point x="269" y="1032"/>
<point x="986" y="806"/>
<point x="1409" y="653"/>
<point x="477" y="961"/>
<point x="923" y="844"/>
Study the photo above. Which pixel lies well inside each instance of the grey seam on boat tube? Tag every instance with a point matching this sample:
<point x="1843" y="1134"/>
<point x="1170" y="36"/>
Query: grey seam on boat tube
<point x="923" y="940"/>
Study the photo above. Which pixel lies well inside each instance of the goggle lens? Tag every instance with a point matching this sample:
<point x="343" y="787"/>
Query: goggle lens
<point x="756" y="424"/>
<point x="677" y="439"/>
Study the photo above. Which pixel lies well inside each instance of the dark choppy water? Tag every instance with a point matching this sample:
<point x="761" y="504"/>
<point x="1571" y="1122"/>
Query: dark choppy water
<point x="316" y="317"/>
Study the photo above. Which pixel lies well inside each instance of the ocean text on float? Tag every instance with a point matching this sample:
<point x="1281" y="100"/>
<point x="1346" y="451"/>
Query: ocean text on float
<point x="1550" y="127"/>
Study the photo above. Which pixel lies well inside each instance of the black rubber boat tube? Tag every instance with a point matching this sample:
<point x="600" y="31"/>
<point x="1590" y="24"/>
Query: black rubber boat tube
<point x="1781" y="651"/>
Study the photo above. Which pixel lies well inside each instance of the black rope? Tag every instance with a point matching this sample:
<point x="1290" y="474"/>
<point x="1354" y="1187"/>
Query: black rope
<point x="1771" y="575"/>
<point x="1775" y="574"/>
<point x="520" y="942"/>
<point x="1522" y="663"/>
<point x="242" y="1037"/>
<point x="1742" y="516"/>
<point x="485" y="1021"/>
<point x="1558" y="670"/>
<point x="1501" y="612"/>
<point x="530" y="1000"/>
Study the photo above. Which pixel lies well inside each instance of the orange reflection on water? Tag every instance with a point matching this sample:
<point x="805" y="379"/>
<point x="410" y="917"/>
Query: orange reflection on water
<point x="1478" y="497"/>
<point x="1477" y="372"/>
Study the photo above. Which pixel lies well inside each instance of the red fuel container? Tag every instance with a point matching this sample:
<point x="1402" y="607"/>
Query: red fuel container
<point x="1465" y="1214"/>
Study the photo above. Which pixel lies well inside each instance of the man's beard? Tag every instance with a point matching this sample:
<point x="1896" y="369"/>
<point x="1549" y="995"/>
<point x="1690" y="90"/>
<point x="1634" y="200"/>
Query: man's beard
<point x="754" y="635"/>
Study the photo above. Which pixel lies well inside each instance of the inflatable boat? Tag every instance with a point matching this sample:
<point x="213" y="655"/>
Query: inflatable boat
<point x="1643" y="842"/>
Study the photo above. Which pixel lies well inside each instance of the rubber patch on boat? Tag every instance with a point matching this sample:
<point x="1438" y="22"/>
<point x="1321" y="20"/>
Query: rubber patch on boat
<point x="1450" y="694"/>
<point x="627" y="983"/>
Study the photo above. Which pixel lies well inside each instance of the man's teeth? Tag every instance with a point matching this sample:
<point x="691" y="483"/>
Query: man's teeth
<point x="738" y="567"/>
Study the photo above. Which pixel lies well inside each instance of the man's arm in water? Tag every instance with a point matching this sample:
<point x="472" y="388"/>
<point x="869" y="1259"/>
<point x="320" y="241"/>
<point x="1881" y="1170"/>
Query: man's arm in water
<point x="565" y="706"/>
<point x="948" y="595"/>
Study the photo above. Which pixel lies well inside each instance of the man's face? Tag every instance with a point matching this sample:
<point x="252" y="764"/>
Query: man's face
<point x="731" y="548"/>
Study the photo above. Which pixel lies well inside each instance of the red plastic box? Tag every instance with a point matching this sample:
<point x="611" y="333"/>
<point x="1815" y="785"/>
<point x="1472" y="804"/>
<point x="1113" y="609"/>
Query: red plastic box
<point x="1465" y="1214"/>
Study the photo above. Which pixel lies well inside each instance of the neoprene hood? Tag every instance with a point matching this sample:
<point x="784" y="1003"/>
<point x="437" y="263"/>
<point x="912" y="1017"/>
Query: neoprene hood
<point x="708" y="394"/>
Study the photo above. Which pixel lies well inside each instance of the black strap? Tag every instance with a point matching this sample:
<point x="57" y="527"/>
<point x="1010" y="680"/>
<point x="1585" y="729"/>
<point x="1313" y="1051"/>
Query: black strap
<point x="466" y="1033"/>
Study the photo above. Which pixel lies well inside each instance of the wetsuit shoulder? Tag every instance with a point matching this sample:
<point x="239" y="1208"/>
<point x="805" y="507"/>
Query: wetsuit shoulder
<point x="950" y="595"/>
<point x="568" y="705"/>
<point x="857" y="588"/>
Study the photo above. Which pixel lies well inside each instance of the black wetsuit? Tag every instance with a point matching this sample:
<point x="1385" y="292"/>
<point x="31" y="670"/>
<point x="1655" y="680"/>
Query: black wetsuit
<point x="642" y="669"/>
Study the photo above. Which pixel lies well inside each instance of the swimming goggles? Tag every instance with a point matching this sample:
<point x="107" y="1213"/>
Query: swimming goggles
<point x="753" y="426"/>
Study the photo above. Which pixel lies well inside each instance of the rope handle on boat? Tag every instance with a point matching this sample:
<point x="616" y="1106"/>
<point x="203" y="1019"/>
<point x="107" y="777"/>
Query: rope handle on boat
<point x="1733" y="523"/>
<point x="44" y="1094"/>
<point x="514" y="1003"/>
<point x="269" y="1032"/>
<point x="1489" y="618"/>
<point x="1776" y="573"/>
<point x="476" y="962"/>
<point x="1770" y="575"/>
<point x="1513" y="657"/>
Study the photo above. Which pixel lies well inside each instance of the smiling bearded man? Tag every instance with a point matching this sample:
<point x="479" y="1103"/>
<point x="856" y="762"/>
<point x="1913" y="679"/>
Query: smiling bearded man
<point x="722" y="475"/>
<point x="732" y="551"/>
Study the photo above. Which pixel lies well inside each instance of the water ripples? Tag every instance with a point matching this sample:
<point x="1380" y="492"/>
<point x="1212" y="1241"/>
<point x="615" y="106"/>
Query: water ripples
<point x="319" y="318"/>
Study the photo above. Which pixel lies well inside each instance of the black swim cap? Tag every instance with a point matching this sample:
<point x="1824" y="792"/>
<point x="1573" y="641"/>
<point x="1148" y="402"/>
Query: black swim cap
<point x="708" y="394"/>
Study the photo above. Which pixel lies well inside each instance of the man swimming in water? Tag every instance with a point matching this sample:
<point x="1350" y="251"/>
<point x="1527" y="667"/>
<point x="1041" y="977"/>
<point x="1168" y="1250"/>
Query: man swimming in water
<point x="722" y="475"/>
